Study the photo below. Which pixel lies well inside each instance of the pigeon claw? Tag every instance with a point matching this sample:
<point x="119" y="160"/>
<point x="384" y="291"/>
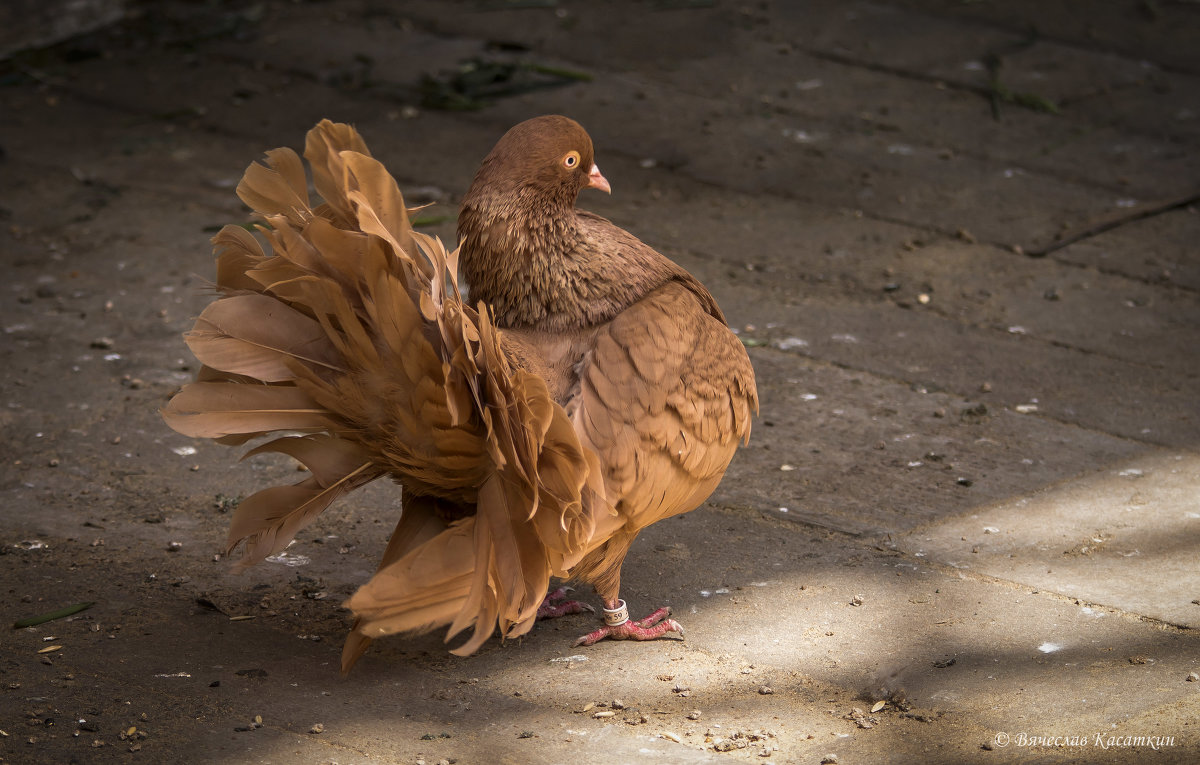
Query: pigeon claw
<point x="555" y="605"/>
<point x="654" y="626"/>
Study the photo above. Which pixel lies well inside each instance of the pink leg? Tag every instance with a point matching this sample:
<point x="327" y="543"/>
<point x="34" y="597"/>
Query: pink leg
<point x="652" y="627"/>
<point x="554" y="605"/>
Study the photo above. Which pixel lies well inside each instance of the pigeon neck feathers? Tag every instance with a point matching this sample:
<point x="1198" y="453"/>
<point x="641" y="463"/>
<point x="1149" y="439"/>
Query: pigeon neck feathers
<point x="526" y="250"/>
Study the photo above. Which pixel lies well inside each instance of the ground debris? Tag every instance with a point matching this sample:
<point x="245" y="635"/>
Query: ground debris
<point x="254" y="724"/>
<point x="132" y="733"/>
<point x="861" y="719"/>
<point x="570" y="659"/>
<point x="741" y="739"/>
<point x="254" y="673"/>
<point x="477" y="82"/>
<point x="32" y="621"/>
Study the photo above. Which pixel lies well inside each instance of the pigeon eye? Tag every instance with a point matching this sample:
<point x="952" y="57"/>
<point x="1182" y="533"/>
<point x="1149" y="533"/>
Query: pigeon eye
<point x="571" y="160"/>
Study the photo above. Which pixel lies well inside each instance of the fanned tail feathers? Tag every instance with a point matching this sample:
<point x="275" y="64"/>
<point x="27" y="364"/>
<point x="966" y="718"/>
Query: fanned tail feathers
<point x="349" y="334"/>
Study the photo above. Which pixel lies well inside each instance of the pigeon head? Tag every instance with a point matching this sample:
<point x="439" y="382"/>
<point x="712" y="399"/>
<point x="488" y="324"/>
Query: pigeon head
<point x="548" y="158"/>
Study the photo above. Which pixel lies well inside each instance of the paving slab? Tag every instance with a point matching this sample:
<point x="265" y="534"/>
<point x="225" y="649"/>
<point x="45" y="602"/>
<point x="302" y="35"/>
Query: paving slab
<point x="805" y="87"/>
<point x="937" y="457"/>
<point x="1108" y="538"/>
<point x="1152" y="32"/>
<point x="1164" y="257"/>
<point x="1007" y="369"/>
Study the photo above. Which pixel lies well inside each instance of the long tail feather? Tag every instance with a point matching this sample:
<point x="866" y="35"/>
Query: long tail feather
<point x="217" y="409"/>
<point x="260" y="337"/>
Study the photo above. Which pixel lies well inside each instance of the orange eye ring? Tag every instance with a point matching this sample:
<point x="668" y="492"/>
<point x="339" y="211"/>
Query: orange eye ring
<point x="571" y="160"/>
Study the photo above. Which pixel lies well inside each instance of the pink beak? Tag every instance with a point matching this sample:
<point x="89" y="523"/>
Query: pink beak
<point x="598" y="181"/>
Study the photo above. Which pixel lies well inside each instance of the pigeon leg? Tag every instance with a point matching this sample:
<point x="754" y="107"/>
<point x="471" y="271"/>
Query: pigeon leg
<point x="554" y="605"/>
<point x="617" y="625"/>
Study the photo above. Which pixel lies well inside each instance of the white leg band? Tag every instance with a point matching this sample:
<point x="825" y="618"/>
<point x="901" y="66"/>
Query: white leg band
<point x="618" y="615"/>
